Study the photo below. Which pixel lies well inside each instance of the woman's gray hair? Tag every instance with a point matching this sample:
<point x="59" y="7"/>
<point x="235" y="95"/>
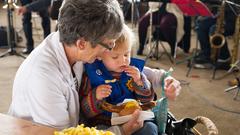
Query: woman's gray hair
<point x="93" y="20"/>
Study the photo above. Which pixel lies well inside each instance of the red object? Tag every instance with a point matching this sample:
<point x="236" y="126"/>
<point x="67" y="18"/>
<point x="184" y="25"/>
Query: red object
<point x="192" y="7"/>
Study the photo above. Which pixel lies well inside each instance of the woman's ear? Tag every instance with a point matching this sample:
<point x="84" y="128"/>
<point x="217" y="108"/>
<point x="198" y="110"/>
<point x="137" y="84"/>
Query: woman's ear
<point x="81" y="43"/>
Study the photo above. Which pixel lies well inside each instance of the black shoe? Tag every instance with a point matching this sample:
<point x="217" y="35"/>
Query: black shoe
<point x="26" y="51"/>
<point x="223" y="65"/>
<point x="201" y="59"/>
<point x="202" y="62"/>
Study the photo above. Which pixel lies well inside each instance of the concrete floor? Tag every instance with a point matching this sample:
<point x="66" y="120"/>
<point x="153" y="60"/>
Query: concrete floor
<point x="199" y="96"/>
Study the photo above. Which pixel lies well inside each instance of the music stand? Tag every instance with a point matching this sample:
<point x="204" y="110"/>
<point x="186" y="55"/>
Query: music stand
<point x="234" y="87"/>
<point x="191" y="58"/>
<point x="10" y="31"/>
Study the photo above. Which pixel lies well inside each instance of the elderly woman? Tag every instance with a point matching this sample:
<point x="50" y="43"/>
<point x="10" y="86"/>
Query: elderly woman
<point x="45" y="86"/>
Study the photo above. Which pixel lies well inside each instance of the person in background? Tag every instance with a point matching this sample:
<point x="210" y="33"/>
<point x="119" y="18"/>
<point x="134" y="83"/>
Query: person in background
<point x="127" y="10"/>
<point x="116" y="65"/>
<point x="41" y="7"/>
<point x="167" y="21"/>
<point x="206" y="26"/>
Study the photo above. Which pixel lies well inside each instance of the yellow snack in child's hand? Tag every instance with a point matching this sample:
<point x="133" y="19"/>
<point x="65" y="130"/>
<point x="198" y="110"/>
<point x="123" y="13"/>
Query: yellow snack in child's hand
<point x="131" y="104"/>
<point x="111" y="81"/>
<point x="81" y="130"/>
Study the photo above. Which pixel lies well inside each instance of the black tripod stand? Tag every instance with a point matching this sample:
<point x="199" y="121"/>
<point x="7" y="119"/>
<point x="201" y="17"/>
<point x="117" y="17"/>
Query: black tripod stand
<point x="10" y="32"/>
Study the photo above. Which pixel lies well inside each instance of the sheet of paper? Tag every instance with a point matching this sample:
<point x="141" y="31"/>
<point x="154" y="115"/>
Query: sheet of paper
<point x="144" y="115"/>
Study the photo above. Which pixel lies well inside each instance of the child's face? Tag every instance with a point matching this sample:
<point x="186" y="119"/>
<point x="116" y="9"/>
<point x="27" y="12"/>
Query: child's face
<point x="117" y="59"/>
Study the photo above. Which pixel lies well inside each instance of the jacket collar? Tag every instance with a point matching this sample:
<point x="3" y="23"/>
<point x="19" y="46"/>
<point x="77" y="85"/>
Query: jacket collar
<point x="64" y="65"/>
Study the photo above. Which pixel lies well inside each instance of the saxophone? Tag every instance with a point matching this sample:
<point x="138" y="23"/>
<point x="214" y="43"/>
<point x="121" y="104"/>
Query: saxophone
<point x="236" y="41"/>
<point x="217" y="40"/>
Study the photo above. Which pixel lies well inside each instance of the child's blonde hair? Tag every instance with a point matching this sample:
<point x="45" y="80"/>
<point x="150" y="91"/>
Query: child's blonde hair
<point x="126" y="38"/>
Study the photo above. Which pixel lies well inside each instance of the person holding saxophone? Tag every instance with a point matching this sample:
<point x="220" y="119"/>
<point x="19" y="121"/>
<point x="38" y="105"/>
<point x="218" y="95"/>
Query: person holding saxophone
<point x="212" y="33"/>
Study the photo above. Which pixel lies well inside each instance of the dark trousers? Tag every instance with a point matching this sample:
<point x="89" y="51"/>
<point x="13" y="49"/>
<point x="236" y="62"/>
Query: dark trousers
<point x="27" y="24"/>
<point x="127" y="10"/>
<point x="205" y="28"/>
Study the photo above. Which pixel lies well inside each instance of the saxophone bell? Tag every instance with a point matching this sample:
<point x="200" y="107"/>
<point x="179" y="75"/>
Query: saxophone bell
<point x="217" y="40"/>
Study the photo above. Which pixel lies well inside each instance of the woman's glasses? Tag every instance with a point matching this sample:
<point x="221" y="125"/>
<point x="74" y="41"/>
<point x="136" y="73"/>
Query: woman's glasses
<point x="109" y="47"/>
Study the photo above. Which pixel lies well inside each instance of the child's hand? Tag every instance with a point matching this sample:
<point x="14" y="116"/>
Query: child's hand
<point x="103" y="91"/>
<point x="135" y="74"/>
<point x="172" y="87"/>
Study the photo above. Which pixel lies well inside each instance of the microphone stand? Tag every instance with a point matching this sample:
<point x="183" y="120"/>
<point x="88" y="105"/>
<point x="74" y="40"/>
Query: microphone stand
<point x="150" y="36"/>
<point x="10" y="6"/>
<point x="132" y="11"/>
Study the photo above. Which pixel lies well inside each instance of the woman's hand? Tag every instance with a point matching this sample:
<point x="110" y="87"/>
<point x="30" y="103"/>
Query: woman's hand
<point x="103" y="91"/>
<point x="135" y="74"/>
<point x="172" y="87"/>
<point x="133" y="124"/>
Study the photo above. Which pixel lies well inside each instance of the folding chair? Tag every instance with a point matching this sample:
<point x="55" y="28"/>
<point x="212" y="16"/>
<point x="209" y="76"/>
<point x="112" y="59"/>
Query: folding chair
<point x="164" y="32"/>
<point x="157" y="39"/>
<point x="168" y="29"/>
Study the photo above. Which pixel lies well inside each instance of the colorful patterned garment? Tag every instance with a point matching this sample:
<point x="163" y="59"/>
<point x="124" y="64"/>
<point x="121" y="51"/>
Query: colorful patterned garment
<point x="124" y="88"/>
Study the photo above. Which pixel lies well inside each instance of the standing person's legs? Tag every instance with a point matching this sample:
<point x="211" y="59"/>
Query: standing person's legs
<point x="229" y="29"/>
<point x="45" y="22"/>
<point x="126" y="7"/>
<point x="185" y="43"/>
<point x="203" y="28"/>
<point x="27" y="27"/>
